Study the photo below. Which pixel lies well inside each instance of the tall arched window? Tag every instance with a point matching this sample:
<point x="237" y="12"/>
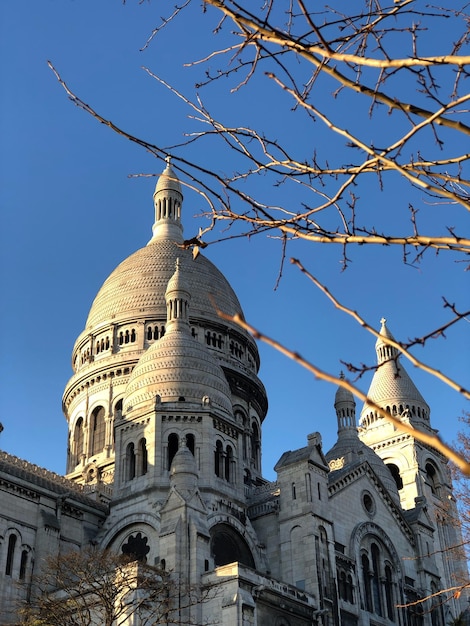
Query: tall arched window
<point x="228" y="464"/>
<point x="396" y="475"/>
<point x="389" y="593"/>
<point x="191" y="443"/>
<point x="143" y="457"/>
<point x="255" y="445"/>
<point x="324" y="557"/>
<point x="432" y="478"/>
<point x="349" y="589"/>
<point x="78" y="440"/>
<point x="173" y="443"/>
<point x="366" y="576"/>
<point x="218" y="458"/>
<point x="98" y="429"/>
<point x="10" y="554"/>
<point x="23" y="564"/>
<point x="376" y="584"/>
<point x="130" y="461"/>
<point x="118" y="410"/>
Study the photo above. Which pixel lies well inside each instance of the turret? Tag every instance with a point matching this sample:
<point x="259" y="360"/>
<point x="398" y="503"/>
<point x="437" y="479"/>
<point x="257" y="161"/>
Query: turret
<point x="168" y="199"/>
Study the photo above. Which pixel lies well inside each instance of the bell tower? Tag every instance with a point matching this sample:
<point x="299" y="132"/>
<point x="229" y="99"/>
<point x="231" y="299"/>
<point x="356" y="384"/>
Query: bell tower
<point x="421" y="472"/>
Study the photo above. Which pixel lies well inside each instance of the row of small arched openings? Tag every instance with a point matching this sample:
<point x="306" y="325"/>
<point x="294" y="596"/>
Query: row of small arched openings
<point x="395" y="410"/>
<point x="97" y="434"/>
<point x="81" y="445"/>
<point x="400" y="409"/>
<point x="136" y="459"/>
<point x="14" y="551"/>
<point x="224" y="462"/>
<point x="387" y="352"/>
<point x="345" y="586"/>
<point x="153" y="332"/>
<point x="167" y="208"/>
<point x="251" y="440"/>
<point x="215" y="340"/>
<point x="137" y="455"/>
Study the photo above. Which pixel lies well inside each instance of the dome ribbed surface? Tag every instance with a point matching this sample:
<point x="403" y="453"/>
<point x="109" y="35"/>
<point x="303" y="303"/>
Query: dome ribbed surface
<point x="391" y="384"/>
<point x="177" y="366"/>
<point x="136" y="288"/>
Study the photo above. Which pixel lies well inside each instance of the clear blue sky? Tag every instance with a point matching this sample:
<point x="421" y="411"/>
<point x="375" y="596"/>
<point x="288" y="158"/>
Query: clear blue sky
<point x="70" y="213"/>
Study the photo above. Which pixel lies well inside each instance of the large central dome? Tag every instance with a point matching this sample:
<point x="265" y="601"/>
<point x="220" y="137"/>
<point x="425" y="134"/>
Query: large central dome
<point x="129" y="316"/>
<point x="136" y="288"/>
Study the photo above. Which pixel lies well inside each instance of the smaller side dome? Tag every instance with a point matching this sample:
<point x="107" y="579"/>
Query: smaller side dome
<point x="177" y="367"/>
<point x="343" y="395"/>
<point x="345" y="406"/>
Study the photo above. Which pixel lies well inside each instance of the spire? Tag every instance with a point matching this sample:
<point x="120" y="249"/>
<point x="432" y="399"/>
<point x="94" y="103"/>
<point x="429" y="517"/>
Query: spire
<point x="183" y="470"/>
<point x="168" y="199"/>
<point x="392" y="388"/>
<point x="385" y="352"/>
<point x="177" y="296"/>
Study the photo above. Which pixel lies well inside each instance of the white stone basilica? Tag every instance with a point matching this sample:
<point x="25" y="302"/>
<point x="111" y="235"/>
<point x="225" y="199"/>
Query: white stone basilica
<point x="165" y="413"/>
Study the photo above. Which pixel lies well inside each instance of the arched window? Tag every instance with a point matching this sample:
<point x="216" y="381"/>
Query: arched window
<point x="10" y="554"/>
<point x="228" y="464"/>
<point x="324" y="558"/>
<point x="366" y="582"/>
<point x="255" y="445"/>
<point x="376" y="584"/>
<point x="432" y="478"/>
<point x="349" y="589"/>
<point x="173" y="444"/>
<point x="218" y="458"/>
<point x="118" y="410"/>
<point x="23" y="564"/>
<point x="143" y="457"/>
<point x="389" y="593"/>
<point x="98" y="429"/>
<point x="130" y="462"/>
<point x="228" y="546"/>
<point x="191" y="443"/>
<point x="78" y="440"/>
<point x="396" y="475"/>
<point x="342" y="585"/>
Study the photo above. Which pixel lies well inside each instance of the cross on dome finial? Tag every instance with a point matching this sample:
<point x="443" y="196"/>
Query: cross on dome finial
<point x="168" y="159"/>
<point x="383" y="320"/>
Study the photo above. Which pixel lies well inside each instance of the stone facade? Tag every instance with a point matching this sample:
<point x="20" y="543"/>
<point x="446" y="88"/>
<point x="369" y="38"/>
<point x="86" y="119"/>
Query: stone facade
<point x="165" y="412"/>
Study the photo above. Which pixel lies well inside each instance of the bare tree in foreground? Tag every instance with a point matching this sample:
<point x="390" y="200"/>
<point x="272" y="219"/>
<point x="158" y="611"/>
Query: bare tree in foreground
<point x="401" y="69"/>
<point x="99" y="588"/>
